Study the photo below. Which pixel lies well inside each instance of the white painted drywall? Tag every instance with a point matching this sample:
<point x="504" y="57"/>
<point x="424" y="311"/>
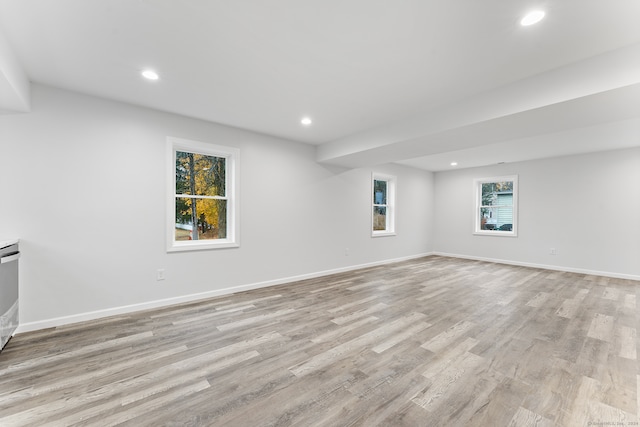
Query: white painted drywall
<point x="14" y="83"/>
<point x="83" y="187"/>
<point x="587" y="207"/>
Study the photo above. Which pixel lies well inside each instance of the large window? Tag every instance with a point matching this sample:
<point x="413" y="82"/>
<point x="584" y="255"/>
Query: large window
<point x="202" y="202"/>
<point x="383" y="205"/>
<point x="496" y="206"/>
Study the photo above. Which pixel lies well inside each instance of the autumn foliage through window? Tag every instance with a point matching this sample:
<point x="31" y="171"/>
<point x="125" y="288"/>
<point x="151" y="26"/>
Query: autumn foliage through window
<point x="201" y="203"/>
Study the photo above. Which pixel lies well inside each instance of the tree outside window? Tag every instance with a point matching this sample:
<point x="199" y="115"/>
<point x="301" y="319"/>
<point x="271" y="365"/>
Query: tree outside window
<point x="201" y="203"/>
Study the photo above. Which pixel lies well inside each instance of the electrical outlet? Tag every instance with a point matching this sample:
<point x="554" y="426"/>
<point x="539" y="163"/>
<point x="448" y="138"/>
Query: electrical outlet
<point x="346" y="251"/>
<point x="160" y="274"/>
<point x="553" y="251"/>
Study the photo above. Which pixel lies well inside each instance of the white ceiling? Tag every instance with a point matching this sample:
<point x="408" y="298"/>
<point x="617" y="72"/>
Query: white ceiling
<point x="414" y="81"/>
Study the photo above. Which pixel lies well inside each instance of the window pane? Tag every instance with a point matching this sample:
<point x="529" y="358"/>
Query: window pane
<point x="494" y="193"/>
<point x="379" y="218"/>
<point x="380" y="192"/>
<point x="200" y="174"/>
<point x="209" y="216"/>
<point x="496" y="218"/>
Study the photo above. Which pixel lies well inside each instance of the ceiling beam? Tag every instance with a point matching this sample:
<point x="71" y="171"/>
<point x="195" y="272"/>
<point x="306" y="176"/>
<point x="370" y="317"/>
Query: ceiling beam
<point x="596" y="90"/>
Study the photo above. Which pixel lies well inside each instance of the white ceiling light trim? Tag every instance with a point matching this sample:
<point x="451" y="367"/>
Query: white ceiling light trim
<point x="150" y="75"/>
<point x="532" y="17"/>
<point x="306" y="121"/>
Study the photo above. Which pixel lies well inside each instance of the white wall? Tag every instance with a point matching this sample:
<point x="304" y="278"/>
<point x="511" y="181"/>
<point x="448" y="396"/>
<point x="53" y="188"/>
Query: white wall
<point x="14" y="83"/>
<point x="585" y="206"/>
<point x="83" y="187"/>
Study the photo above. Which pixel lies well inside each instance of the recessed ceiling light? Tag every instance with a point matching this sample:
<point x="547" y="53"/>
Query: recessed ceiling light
<point x="306" y="121"/>
<point x="532" y="18"/>
<point x="454" y="163"/>
<point x="150" y="75"/>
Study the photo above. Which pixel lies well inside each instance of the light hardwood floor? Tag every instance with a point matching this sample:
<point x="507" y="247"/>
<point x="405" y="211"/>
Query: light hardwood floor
<point x="428" y="342"/>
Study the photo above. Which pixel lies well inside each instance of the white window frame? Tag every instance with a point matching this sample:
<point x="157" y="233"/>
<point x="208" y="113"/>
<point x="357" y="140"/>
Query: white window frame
<point x="390" y="226"/>
<point x="232" y="166"/>
<point x="477" y="230"/>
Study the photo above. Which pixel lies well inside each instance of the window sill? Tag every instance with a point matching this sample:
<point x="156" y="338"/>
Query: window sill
<point x="383" y="234"/>
<point x="201" y="246"/>
<point x="495" y="233"/>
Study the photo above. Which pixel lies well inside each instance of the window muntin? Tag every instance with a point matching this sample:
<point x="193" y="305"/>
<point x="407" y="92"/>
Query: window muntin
<point x="202" y="206"/>
<point x="496" y="206"/>
<point x="383" y="212"/>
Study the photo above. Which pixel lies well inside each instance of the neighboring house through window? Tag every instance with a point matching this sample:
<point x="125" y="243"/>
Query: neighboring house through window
<point x="383" y="219"/>
<point x="496" y="206"/>
<point x="202" y="206"/>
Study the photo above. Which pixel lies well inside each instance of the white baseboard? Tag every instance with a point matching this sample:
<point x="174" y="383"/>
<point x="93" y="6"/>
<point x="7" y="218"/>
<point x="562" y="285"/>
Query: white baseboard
<point x="93" y="315"/>
<point x="543" y="266"/>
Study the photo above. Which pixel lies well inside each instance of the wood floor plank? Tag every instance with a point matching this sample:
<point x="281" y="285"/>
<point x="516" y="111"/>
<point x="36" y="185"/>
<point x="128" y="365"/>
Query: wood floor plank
<point x="234" y="304"/>
<point x="254" y="319"/>
<point x="447" y="382"/>
<point x="628" y="342"/>
<point x="569" y="308"/>
<point x="210" y="316"/>
<point x="341" y="320"/>
<point x="151" y="383"/>
<point x="97" y="414"/>
<point x="611" y="293"/>
<point x="445" y="338"/>
<point x="34" y="362"/>
<point x="589" y="410"/>
<point x="401" y="336"/>
<point x="539" y="300"/>
<point x="352" y="304"/>
<point x="526" y="418"/>
<point x="450" y="357"/>
<point x="638" y="395"/>
<point x="434" y="341"/>
<point x="340" y="351"/>
<point x="601" y="327"/>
